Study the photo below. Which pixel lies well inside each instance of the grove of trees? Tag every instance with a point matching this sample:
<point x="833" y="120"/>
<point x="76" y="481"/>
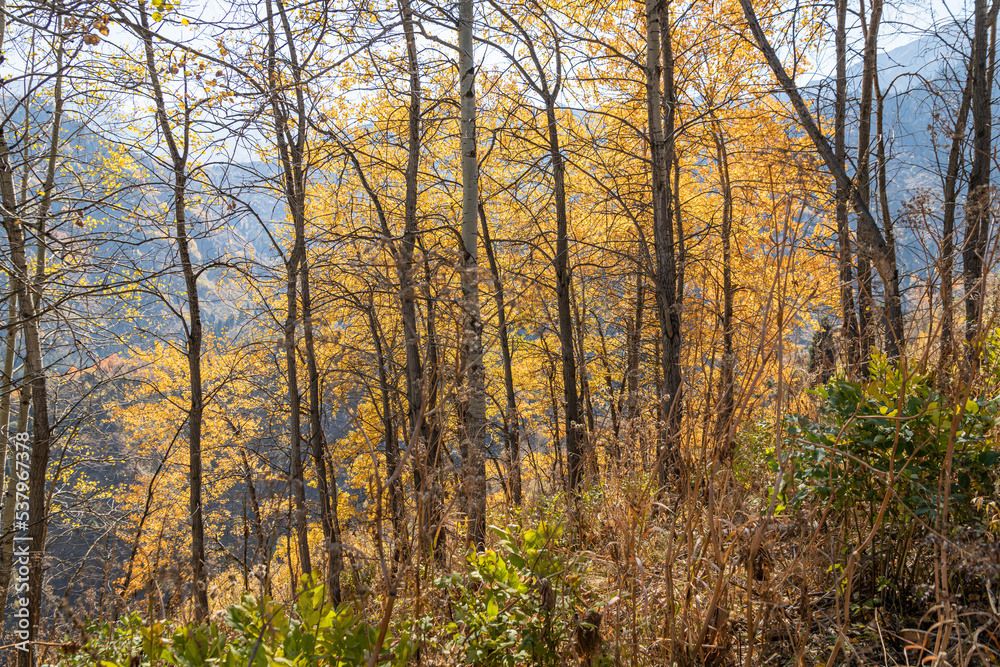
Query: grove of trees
<point x="550" y="332"/>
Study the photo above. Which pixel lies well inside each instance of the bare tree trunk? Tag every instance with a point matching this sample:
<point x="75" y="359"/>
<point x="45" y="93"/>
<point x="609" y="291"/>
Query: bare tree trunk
<point x="571" y="410"/>
<point x="327" y="490"/>
<point x="851" y="332"/>
<point x="434" y="452"/>
<point x="977" y="219"/>
<point x="258" y="525"/>
<point x="291" y="154"/>
<point x="389" y="431"/>
<point x="609" y="383"/>
<point x="580" y="319"/>
<point x="549" y="91"/>
<point x="556" y="438"/>
<point x="473" y="406"/>
<point x="867" y="316"/>
<point x="193" y="327"/>
<point x="7" y="520"/>
<point x="28" y="293"/>
<point x="35" y="380"/>
<point x="724" y="418"/>
<point x="589" y="454"/>
<point x="632" y="373"/>
<point x="295" y="411"/>
<point x="892" y="344"/>
<point x="866" y="312"/>
<point x="947" y="356"/>
<point x="511" y="418"/>
<point x="425" y="472"/>
<point x="10" y="481"/>
<point x="668" y="456"/>
<point x="679" y="219"/>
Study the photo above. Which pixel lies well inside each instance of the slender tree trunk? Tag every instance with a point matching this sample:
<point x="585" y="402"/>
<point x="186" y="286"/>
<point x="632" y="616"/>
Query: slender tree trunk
<point x="473" y="406"/>
<point x="511" y="418"/>
<point x="389" y="432"/>
<point x="193" y="328"/>
<point x="892" y="344"/>
<point x="35" y="380"/>
<point x="194" y="344"/>
<point x="588" y="452"/>
<point x="7" y="515"/>
<point x="336" y="536"/>
<point x="432" y="374"/>
<point x="291" y="151"/>
<point x="631" y="412"/>
<point x="866" y="312"/>
<point x="679" y="219"/>
<point x="29" y="298"/>
<point x="571" y="409"/>
<point x="258" y="525"/>
<point x="948" y="228"/>
<point x="295" y="411"/>
<point x="417" y="397"/>
<point x="327" y="490"/>
<point x="556" y="437"/>
<point x="609" y="383"/>
<point x="851" y="332"/>
<point x="977" y="218"/>
<point x="425" y="463"/>
<point x="867" y="316"/>
<point x="7" y="520"/>
<point x="10" y="495"/>
<point x="724" y="418"/>
<point x="668" y="456"/>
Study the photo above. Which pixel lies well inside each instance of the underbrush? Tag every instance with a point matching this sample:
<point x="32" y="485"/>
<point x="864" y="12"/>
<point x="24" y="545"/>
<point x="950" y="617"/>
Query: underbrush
<point x="517" y="604"/>
<point x="864" y="533"/>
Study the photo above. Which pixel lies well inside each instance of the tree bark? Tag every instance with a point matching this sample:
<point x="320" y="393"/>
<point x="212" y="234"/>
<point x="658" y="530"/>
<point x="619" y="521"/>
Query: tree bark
<point x="293" y="183"/>
<point x="950" y="194"/>
<point x="851" y="333"/>
<point x="511" y="418"/>
<point x="634" y="337"/>
<point x="867" y="316"/>
<point x="193" y="328"/>
<point x="724" y="419"/>
<point x="661" y="140"/>
<point x="892" y="344"/>
<point x="425" y="463"/>
<point x="389" y="431"/>
<point x="258" y="524"/>
<point x="10" y="484"/>
<point x="7" y="519"/>
<point x="615" y="449"/>
<point x="472" y="407"/>
<point x="977" y="217"/>
<point x="327" y="489"/>
<point x="579" y="320"/>
<point x="571" y="410"/>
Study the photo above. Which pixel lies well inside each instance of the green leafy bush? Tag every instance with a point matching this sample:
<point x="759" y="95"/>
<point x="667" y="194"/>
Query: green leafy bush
<point x="516" y="605"/>
<point x="255" y="632"/>
<point x="893" y="429"/>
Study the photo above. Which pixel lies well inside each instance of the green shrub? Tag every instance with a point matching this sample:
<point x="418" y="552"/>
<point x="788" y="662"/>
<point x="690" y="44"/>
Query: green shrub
<point x="255" y="632"/>
<point x="897" y="428"/>
<point x="516" y="605"/>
